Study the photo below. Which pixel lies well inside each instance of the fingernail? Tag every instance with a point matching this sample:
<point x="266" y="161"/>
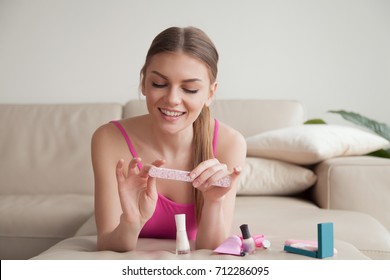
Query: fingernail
<point x="192" y="175"/>
<point x="195" y="184"/>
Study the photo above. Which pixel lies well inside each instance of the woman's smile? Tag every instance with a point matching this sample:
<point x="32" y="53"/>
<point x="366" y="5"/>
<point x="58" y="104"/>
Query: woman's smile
<point x="171" y="115"/>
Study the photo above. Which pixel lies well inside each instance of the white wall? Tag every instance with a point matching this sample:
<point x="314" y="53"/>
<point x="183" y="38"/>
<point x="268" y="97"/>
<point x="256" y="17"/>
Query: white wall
<point x="329" y="54"/>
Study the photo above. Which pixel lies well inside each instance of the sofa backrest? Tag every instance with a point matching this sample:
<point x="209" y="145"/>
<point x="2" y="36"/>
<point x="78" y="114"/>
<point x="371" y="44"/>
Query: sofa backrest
<point x="45" y="149"/>
<point x="247" y="116"/>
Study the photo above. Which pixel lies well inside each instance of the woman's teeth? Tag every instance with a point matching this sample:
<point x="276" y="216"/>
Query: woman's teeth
<point x="171" y="113"/>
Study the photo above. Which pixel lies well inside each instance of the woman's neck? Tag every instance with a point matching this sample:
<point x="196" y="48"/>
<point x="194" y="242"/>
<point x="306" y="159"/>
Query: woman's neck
<point x="172" y="145"/>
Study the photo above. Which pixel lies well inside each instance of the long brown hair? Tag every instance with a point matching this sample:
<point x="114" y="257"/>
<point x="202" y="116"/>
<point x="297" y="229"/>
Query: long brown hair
<point x="196" y="43"/>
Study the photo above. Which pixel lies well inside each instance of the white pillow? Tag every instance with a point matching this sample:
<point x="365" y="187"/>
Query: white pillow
<point x="272" y="177"/>
<point x="310" y="144"/>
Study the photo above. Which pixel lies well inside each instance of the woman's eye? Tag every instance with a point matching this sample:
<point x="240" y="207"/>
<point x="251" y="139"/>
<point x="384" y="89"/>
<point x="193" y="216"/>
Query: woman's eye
<point x="192" y="91"/>
<point x="158" y="85"/>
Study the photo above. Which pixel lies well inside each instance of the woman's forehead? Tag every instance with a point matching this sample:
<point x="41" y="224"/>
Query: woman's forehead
<point x="172" y="65"/>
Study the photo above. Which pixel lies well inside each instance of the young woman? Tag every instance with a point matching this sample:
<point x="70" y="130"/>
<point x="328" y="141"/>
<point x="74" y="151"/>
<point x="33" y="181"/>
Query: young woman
<point x="178" y="81"/>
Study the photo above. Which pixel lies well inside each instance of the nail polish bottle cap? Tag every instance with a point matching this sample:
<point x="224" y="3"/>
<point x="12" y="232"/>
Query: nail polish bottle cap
<point x="180" y="222"/>
<point x="245" y="231"/>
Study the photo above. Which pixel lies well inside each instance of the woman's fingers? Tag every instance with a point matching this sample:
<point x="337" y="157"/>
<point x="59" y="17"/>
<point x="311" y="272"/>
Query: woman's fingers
<point x="133" y="165"/>
<point x="202" y="167"/>
<point x="151" y="188"/>
<point x="211" y="172"/>
<point x="119" y="170"/>
<point x="158" y="162"/>
<point x="145" y="170"/>
<point x="237" y="171"/>
<point x="132" y="168"/>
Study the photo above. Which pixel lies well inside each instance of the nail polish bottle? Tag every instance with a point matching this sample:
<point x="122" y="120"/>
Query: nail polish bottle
<point x="248" y="243"/>
<point x="182" y="243"/>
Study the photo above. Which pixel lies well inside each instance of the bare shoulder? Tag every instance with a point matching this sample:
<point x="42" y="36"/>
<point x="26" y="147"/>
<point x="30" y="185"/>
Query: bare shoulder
<point x="231" y="145"/>
<point x="229" y="136"/>
<point x="108" y="139"/>
<point x="105" y="134"/>
<point x="109" y="132"/>
<point x="104" y="146"/>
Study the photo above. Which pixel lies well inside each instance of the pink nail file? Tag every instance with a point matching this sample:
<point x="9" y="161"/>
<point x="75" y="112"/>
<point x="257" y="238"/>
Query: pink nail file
<point x="180" y="175"/>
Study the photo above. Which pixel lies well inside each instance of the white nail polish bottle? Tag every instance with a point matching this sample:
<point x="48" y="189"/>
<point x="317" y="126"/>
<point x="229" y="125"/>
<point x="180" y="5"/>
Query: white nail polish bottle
<point x="248" y="242"/>
<point x="182" y="243"/>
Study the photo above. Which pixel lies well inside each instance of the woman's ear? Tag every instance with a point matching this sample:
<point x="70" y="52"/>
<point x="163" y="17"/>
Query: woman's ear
<point x="213" y="89"/>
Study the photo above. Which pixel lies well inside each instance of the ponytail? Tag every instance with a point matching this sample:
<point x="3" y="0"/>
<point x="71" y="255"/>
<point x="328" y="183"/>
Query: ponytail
<point x="203" y="150"/>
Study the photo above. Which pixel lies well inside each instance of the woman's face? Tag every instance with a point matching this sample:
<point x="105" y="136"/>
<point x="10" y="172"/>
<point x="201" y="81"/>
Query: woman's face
<point x="176" y="86"/>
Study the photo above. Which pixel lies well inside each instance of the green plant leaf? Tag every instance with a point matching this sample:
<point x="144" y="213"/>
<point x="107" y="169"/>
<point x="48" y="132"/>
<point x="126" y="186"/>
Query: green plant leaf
<point x="314" y="121"/>
<point x="380" y="153"/>
<point x="381" y="129"/>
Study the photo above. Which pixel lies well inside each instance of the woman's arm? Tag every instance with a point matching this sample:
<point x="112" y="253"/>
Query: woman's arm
<point x="218" y="208"/>
<point x="124" y="199"/>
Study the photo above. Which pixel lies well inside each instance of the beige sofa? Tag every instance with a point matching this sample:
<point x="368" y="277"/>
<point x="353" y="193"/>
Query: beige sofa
<point x="46" y="187"/>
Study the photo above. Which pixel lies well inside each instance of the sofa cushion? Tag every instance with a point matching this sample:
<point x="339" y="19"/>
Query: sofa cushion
<point x="33" y="223"/>
<point x="357" y="235"/>
<point x="273" y="177"/>
<point x="45" y="149"/>
<point x="84" y="248"/>
<point x="355" y="183"/>
<point x="310" y="144"/>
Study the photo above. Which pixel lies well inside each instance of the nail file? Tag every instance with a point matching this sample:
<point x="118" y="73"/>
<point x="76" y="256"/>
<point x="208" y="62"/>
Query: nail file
<point x="180" y="175"/>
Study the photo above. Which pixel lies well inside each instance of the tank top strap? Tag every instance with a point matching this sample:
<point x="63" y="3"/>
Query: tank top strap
<point x="128" y="141"/>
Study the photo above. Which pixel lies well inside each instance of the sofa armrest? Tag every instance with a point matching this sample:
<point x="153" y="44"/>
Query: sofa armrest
<point x="355" y="183"/>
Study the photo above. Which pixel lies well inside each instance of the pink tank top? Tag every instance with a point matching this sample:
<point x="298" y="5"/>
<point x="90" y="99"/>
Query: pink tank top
<point x="162" y="223"/>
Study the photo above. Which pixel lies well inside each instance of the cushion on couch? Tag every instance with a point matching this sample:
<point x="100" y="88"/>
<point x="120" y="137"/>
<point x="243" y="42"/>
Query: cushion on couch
<point x="343" y="184"/>
<point x="33" y="223"/>
<point x="278" y="218"/>
<point x="311" y="144"/>
<point x="47" y="147"/>
<point x="46" y="189"/>
<point x="273" y="177"/>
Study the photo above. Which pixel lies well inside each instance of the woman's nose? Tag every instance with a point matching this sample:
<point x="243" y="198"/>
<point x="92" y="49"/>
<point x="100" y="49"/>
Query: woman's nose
<point x="174" y="96"/>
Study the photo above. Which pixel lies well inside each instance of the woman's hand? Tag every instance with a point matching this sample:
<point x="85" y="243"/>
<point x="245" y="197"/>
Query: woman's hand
<point x="207" y="173"/>
<point x="137" y="191"/>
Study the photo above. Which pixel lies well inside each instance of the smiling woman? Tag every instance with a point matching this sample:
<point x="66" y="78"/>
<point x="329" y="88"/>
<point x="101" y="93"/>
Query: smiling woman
<point x="178" y="81"/>
<point x="178" y="86"/>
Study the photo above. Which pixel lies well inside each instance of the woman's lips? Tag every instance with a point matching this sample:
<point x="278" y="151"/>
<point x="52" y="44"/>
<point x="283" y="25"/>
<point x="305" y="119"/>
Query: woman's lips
<point x="171" y="113"/>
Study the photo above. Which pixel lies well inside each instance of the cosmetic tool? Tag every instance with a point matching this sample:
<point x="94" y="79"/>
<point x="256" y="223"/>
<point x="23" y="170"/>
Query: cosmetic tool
<point x="322" y="248"/>
<point x="180" y="175"/>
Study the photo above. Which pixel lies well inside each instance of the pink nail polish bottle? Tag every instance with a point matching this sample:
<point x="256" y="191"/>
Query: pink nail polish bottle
<point x="248" y="243"/>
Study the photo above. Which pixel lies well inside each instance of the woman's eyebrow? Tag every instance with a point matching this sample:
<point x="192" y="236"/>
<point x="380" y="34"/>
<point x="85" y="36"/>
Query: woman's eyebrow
<point x="159" y="74"/>
<point x="184" y="81"/>
<point x="192" y="80"/>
